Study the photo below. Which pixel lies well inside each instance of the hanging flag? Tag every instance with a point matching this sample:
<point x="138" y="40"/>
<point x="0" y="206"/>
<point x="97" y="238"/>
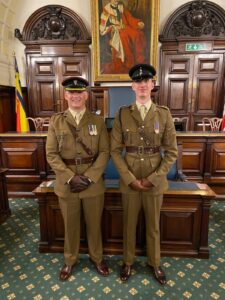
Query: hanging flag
<point x="21" y="119"/>
<point x="223" y="122"/>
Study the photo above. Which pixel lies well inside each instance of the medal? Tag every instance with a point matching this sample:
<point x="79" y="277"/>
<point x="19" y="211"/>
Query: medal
<point x="156" y="127"/>
<point x="92" y="129"/>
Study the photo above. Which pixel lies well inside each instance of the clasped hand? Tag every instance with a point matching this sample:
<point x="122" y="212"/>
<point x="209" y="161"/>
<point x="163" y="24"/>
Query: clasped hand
<point x="141" y="185"/>
<point x="79" y="183"/>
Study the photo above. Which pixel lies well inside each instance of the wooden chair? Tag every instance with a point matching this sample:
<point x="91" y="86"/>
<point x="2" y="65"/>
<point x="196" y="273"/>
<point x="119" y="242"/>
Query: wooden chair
<point x="39" y="123"/>
<point x="211" y="124"/>
<point x="184" y="121"/>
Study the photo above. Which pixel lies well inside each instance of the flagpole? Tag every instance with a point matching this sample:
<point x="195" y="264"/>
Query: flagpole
<point x="21" y="118"/>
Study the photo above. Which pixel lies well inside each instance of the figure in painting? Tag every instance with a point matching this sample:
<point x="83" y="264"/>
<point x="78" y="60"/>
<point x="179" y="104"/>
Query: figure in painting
<point x="124" y="34"/>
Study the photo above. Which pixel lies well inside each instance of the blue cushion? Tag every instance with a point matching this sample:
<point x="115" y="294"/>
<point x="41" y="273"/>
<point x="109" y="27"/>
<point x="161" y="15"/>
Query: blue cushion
<point x="112" y="176"/>
<point x="172" y="175"/>
<point x="111" y="171"/>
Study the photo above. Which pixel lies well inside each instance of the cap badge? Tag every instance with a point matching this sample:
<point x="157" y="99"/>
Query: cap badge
<point x="75" y="82"/>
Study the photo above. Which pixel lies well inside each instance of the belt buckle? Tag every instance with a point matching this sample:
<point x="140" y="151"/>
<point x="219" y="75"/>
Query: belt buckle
<point x="140" y="150"/>
<point x="78" y="161"/>
<point x="151" y="151"/>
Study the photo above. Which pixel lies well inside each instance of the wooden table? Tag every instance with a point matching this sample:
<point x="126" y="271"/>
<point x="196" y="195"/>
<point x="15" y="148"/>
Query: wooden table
<point x="184" y="222"/>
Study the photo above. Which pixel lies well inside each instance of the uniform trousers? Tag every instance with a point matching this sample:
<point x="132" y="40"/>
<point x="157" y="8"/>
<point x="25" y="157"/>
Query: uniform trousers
<point x="71" y="211"/>
<point x="132" y="204"/>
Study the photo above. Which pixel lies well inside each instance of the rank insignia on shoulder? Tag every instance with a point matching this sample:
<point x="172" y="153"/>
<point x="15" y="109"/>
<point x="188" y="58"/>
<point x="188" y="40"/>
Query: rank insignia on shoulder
<point x="92" y="129"/>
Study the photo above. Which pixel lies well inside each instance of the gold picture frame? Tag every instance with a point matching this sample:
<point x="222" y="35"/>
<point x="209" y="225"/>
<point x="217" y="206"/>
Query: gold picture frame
<point x="113" y="37"/>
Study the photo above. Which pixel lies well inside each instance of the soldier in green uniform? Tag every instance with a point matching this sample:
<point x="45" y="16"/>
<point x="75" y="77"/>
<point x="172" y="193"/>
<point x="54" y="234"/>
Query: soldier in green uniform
<point x="77" y="150"/>
<point x="142" y="130"/>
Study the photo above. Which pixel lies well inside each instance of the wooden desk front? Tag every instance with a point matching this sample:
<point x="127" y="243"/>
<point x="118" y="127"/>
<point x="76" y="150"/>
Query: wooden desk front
<point x="25" y="158"/>
<point x="184" y="223"/>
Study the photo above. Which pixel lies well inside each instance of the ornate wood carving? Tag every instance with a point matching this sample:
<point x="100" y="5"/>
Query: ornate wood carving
<point x="195" y="19"/>
<point x="53" y="22"/>
<point x="57" y="46"/>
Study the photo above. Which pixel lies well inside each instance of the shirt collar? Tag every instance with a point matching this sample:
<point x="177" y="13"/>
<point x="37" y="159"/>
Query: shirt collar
<point x="147" y="104"/>
<point x="80" y="112"/>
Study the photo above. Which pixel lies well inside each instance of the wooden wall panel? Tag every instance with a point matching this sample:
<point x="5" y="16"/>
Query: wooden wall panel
<point x="193" y="159"/>
<point x="5" y="211"/>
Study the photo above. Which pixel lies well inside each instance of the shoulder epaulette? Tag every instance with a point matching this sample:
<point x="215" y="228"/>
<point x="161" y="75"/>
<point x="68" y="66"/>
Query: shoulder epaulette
<point x="120" y="113"/>
<point x="162" y="106"/>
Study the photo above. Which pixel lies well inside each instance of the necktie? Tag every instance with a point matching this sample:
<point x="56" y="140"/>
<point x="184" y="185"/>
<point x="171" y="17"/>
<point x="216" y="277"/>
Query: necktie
<point x="77" y="118"/>
<point x="143" y="111"/>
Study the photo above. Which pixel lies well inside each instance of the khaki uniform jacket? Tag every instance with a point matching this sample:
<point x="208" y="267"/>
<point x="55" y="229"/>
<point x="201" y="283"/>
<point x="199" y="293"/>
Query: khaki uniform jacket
<point x="61" y="145"/>
<point x="159" y="127"/>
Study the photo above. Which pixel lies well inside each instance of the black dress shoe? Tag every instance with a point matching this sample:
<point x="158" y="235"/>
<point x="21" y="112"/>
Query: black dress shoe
<point x="101" y="267"/>
<point x="65" y="272"/>
<point x="159" y="274"/>
<point x="125" y="272"/>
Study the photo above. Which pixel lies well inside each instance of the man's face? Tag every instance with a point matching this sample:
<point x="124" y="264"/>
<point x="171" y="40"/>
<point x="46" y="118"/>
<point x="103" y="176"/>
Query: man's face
<point x="76" y="100"/>
<point x="143" y="89"/>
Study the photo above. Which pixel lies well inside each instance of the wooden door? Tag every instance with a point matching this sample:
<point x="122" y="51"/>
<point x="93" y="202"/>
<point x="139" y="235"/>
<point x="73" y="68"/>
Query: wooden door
<point x="206" y="87"/>
<point x="176" y="85"/>
<point x="191" y="85"/>
<point x="46" y="75"/>
<point x="43" y="89"/>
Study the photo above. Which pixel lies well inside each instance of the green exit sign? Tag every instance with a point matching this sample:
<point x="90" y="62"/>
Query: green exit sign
<point x="196" y="47"/>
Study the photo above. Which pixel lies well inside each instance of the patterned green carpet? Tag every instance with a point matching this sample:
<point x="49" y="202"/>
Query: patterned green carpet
<point x="27" y="274"/>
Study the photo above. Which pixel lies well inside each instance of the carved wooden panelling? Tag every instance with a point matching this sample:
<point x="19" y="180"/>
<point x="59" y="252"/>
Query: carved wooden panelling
<point x="20" y="158"/>
<point x="193" y="159"/>
<point x="201" y="19"/>
<point x="193" y="43"/>
<point x="113" y="221"/>
<point x="168" y="229"/>
<point x="183" y="230"/>
<point x="46" y="97"/>
<point x="22" y="161"/>
<point x="206" y="96"/>
<point x="54" y="214"/>
<point x="218" y="160"/>
<point x="57" y="46"/>
<point x="178" y="95"/>
<point x="44" y="68"/>
<point x="23" y="156"/>
<point x="208" y="65"/>
<point x="4" y="201"/>
<point x="188" y="221"/>
<point x="73" y="66"/>
<point x="180" y="66"/>
<point x="99" y="101"/>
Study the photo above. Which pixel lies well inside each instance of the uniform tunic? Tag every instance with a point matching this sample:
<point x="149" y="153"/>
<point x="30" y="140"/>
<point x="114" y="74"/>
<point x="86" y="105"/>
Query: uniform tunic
<point x="60" y="145"/>
<point x="159" y="129"/>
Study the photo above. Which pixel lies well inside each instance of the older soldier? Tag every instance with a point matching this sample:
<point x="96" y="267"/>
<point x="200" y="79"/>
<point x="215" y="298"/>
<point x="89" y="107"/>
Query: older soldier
<point x="78" y="150"/>
<point x="143" y="129"/>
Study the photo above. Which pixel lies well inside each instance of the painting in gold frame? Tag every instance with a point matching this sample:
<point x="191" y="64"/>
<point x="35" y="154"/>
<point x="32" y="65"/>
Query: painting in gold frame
<point x="124" y="33"/>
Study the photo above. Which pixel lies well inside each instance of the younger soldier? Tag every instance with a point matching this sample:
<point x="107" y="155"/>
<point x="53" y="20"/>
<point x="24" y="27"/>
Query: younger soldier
<point x="143" y="129"/>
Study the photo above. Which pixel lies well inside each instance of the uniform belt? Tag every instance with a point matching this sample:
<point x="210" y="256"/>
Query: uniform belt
<point x="142" y="149"/>
<point x="79" y="160"/>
